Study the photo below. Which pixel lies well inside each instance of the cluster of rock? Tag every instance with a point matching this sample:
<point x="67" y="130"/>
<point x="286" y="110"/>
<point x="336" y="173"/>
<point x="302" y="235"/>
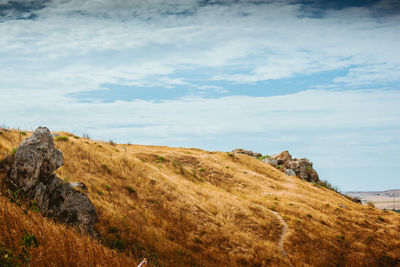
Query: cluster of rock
<point x="246" y="152"/>
<point x="31" y="170"/>
<point x="302" y="168"/>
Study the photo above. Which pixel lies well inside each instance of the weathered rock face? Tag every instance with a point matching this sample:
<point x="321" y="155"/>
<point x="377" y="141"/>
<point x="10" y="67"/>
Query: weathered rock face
<point x="271" y="161"/>
<point x="282" y="157"/>
<point x="246" y="152"/>
<point x="32" y="170"/>
<point x="35" y="160"/>
<point x="303" y="168"/>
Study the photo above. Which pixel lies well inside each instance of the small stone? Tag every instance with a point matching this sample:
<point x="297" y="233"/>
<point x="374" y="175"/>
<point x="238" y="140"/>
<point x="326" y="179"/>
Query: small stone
<point x="270" y="161"/>
<point x="79" y="185"/>
<point x="290" y="172"/>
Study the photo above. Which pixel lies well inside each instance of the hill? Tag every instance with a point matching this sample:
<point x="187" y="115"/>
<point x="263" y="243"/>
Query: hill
<point x="190" y="207"/>
<point x="388" y="199"/>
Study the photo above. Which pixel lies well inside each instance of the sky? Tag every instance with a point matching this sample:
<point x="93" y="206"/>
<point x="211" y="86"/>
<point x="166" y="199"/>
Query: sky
<point x="318" y="78"/>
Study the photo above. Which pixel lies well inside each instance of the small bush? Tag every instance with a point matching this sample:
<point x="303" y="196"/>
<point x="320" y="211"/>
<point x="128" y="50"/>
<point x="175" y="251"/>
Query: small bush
<point x="131" y="189"/>
<point x="229" y="154"/>
<point x="370" y="204"/>
<point x="107" y="187"/>
<point x="100" y="192"/>
<point x="22" y="133"/>
<point x="13" y="151"/>
<point x="326" y="184"/>
<point x="111" y="142"/>
<point x="381" y="219"/>
<point x="263" y="157"/>
<point x="62" y="138"/>
<point x="309" y="215"/>
<point x="160" y="159"/>
<point x="76" y="137"/>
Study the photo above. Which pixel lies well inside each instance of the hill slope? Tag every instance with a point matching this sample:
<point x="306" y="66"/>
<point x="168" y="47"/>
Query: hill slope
<point x="189" y="207"/>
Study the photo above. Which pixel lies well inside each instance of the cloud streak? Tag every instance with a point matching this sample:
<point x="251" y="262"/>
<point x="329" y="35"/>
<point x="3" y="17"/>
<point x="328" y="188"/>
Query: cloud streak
<point x="216" y="52"/>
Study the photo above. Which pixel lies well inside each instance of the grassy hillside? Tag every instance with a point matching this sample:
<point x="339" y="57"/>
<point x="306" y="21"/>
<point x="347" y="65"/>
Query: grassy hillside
<point x="189" y="207"/>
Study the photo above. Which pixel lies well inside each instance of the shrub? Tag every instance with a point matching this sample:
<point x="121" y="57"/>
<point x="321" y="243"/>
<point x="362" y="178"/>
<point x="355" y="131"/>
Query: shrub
<point x="76" y="137"/>
<point x="381" y="219"/>
<point x="111" y="142"/>
<point x="22" y="133"/>
<point x="370" y="204"/>
<point x="107" y="187"/>
<point x="326" y="184"/>
<point x="229" y="154"/>
<point x="160" y="159"/>
<point x="131" y="189"/>
<point x="62" y="138"/>
<point x="13" y="151"/>
<point x="263" y="157"/>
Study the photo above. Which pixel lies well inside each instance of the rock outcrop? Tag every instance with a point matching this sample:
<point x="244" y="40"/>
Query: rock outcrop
<point x="303" y="168"/>
<point x="246" y="152"/>
<point x="282" y="157"/>
<point x="32" y="168"/>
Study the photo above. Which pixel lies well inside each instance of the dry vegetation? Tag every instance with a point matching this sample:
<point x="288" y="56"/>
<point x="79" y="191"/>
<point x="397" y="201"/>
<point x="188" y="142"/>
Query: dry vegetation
<point x="189" y="207"/>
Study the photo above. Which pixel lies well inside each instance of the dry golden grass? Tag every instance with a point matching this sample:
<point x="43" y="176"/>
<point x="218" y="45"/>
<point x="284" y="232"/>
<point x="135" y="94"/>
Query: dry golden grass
<point x="189" y="207"/>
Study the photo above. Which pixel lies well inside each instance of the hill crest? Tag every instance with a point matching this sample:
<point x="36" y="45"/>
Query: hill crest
<point x="190" y="207"/>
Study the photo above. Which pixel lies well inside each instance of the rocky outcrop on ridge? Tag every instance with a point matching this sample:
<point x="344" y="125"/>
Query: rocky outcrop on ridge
<point x="302" y="168"/>
<point x="31" y="170"/>
<point x="246" y="152"/>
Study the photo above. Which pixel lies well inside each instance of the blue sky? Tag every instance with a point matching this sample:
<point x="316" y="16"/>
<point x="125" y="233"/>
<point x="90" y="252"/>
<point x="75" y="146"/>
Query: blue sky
<point x="318" y="78"/>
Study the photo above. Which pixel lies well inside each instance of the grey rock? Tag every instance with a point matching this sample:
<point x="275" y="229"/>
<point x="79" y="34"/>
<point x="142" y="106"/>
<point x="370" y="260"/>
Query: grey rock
<point x="32" y="170"/>
<point x="303" y="168"/>
<point x="282" y="157"/>
<point x="35" y="159"/>
<point x="271" y="161"/>
<point x="246" y="152"/>
<point x="290" y="172"/>
<point x="79" y="185"/>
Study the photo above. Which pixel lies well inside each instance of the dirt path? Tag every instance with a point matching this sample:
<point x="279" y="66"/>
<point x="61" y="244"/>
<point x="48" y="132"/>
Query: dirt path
<point x="282" y="238"/>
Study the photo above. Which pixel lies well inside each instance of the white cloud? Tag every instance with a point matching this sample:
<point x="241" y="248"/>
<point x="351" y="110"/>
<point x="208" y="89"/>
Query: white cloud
<point x="76" y="46"/>
<point x="338" y="130"/>
<point x="115" y="41"/>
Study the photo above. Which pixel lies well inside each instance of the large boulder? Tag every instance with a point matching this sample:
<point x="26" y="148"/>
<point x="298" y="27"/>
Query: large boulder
<point x="35" y="160"/>
<point x="32" y="170"/>
<point x="303" y="169"/>
<point x="246" y="152"/>
<point x="282" y="157"/>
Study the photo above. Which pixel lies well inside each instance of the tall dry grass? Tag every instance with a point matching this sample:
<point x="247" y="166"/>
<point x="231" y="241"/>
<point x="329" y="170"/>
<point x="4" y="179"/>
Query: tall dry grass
<point x="189" y="207"/>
